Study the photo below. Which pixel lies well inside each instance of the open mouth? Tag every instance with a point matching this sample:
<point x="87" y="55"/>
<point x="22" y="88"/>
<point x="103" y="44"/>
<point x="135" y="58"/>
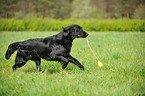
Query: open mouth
<point x="86" y="34"/>
<point x="83" y="36"/>
<point x="79" y="36"/>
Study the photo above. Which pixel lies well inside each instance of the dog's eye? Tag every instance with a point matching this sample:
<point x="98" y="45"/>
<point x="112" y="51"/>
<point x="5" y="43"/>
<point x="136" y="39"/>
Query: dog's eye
<point x="80" y="29"/>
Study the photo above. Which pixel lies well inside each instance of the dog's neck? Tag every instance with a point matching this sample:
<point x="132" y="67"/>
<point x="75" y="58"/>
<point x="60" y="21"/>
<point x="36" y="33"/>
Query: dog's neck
<point x="64" y="37"/>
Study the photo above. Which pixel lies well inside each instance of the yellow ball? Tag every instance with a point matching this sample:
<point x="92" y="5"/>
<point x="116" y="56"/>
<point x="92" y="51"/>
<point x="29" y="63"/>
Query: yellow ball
<point x="100" y="64"/>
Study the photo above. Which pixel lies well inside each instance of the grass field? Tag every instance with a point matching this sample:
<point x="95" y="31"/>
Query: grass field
<point x="122" y="73"/>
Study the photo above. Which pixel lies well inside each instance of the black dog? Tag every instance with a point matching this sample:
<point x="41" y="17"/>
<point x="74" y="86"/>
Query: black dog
<point x="54" y="48"/>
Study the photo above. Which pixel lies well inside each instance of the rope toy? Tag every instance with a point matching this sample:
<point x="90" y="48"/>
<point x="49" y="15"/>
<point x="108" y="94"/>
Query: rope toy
<point x="99" y="62"/>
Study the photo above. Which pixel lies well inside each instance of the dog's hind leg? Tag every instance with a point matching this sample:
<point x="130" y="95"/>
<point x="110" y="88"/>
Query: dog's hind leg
<point x="63" y="60"/>
<point x="64" y="64"/>
<point x="35" y="57"/>
<point x="19" y="61"/>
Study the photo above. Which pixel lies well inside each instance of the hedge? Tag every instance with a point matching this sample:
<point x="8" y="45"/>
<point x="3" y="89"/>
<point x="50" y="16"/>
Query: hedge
<point x="43" y="24"/>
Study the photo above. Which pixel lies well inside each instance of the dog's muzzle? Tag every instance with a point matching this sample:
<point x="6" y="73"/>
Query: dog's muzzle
<point x="85" y="34"/>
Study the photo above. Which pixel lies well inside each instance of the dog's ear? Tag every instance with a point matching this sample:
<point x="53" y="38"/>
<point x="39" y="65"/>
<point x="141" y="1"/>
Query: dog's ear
<point x="63" y="28"/>
<point x="67" y="28"/>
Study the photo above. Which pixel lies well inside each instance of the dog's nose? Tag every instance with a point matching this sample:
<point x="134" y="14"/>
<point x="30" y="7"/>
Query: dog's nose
<point x="87" y="34"/>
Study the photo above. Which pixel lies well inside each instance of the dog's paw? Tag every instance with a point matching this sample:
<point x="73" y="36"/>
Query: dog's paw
<point x="64" y="66"/>
<point x="82" y="67"/>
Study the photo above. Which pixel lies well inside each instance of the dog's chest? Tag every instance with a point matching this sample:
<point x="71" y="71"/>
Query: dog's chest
<point x="68" y="46"/>
<point x="58" y="50"/>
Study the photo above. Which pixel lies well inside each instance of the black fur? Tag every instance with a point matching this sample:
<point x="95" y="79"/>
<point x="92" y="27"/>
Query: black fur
<point x="55" y="48"/>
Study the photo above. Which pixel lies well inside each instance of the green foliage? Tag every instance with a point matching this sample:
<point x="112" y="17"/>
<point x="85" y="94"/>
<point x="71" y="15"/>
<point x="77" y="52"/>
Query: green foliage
<point x="122" y="73"/>
<point x="39" y="24"/>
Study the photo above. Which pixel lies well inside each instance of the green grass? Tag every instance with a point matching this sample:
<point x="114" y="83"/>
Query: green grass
<point x="122" y="73"/>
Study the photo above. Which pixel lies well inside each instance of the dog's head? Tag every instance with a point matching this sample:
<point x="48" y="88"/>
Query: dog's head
<point x="75" y="31"/>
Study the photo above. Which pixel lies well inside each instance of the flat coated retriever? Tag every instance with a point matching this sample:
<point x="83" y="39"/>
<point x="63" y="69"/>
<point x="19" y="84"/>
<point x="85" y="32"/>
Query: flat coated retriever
<point x="54" y="48"/>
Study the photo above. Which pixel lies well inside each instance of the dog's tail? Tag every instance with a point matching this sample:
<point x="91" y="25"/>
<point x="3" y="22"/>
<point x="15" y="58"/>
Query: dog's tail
<point x="11" y="49"/>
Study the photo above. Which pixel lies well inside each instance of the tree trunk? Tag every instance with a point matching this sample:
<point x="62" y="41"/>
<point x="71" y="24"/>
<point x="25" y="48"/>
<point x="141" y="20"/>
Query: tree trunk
<point x="127" y="14"/>
<point x="6" y="14"/>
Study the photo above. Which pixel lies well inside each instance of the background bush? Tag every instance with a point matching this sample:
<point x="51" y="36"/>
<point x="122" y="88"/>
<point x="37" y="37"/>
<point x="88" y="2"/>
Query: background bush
<point x="43" y="24"/>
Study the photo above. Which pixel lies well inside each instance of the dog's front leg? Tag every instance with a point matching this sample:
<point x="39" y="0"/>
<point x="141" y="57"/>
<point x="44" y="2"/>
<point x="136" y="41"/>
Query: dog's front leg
<point x="63" y="60"/>
<point x="76" y="62"/>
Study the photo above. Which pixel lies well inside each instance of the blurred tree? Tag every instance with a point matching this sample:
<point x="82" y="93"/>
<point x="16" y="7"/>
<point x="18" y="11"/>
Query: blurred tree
<point x="82" y="9"/>
<point x="7" y="8"/>
<point x="44" y="8"/>
<point x="100" y="7"/>
<point x="63" y="9"/>
<point x="139" y="12"/>
<point x="19" y="15"/>
<point x="121" y="8"/>
<point x="24" y="9"/>
<point x="79" y="9"/>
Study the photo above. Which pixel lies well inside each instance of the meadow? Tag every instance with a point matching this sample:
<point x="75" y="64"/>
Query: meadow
<point x="122" y="73"/>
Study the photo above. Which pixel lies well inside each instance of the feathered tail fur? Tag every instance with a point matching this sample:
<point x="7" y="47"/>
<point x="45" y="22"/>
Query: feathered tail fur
<point x="11" y="49"/>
